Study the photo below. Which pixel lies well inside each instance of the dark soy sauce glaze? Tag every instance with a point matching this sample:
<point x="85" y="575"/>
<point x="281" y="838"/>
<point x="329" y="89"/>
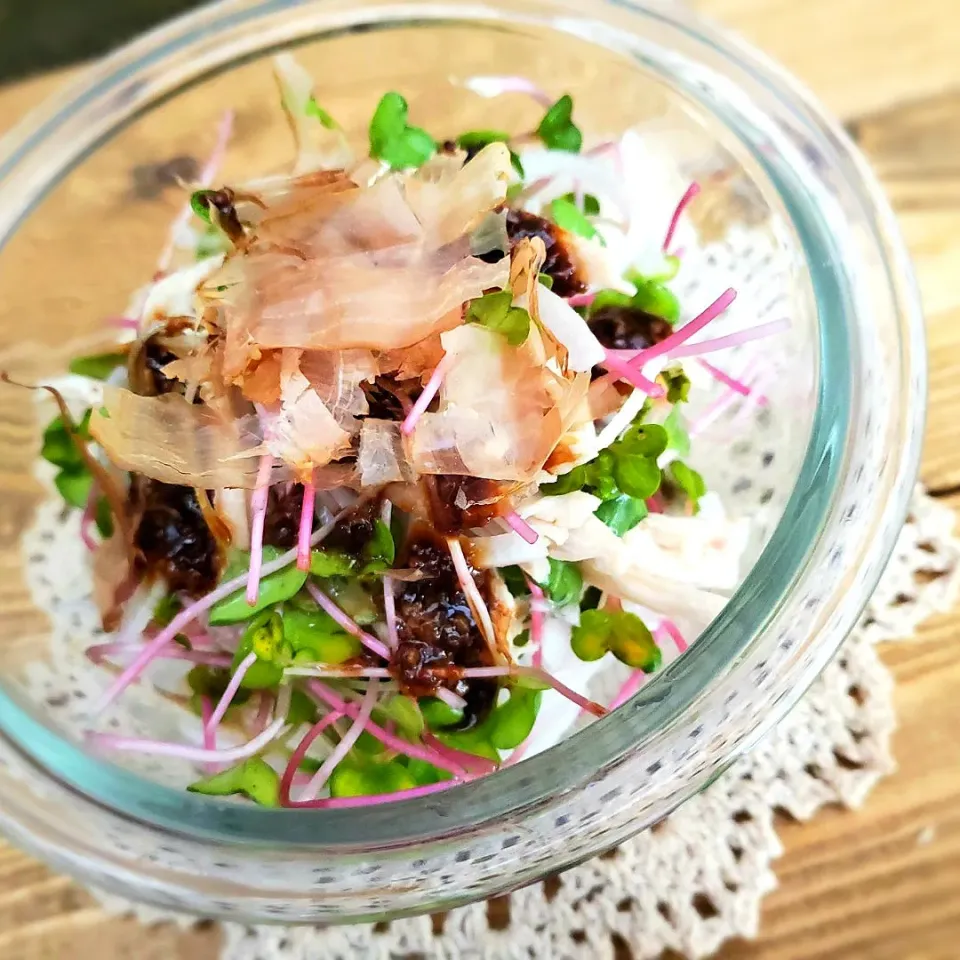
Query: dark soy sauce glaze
<point x="437" y="629"/>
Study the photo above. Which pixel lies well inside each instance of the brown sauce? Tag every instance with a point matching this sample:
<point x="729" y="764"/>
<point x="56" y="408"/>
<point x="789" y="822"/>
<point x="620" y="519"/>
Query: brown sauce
<point x="172" y="537"/>
<point x="437" y="629"/>
<point x="560" y="263"/>
<point x="461" y="503"/>
<point x="627" y="328"/>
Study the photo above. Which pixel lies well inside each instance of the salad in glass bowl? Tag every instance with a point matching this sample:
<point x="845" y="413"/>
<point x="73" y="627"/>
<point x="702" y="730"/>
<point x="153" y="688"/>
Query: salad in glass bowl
<point x="384" y="474"/>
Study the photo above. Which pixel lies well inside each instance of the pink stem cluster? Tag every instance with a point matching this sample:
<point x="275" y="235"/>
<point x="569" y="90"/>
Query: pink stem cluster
<point x="345" y="745"/>
<point x="334" y="700"/>
<point x="624" y="370"/>
<point x="297" y="757"/>
<point x="342" y="803"/>
<point x="735" y="385"/>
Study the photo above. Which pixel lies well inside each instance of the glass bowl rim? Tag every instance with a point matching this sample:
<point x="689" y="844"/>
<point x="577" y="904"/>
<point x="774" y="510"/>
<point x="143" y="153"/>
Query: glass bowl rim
<point x="563" y="767"/>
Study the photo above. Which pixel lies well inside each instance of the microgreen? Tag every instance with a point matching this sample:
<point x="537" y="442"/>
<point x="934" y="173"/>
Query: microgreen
<point x="73" y="479"/>
<point x="623" y="476"/>
<point x="331" y="563"/>
<point x="352" y="779"/>
<point x="512" y="721"/>
<point x="274" y="589"/>
<point x="393" y="140"/>
<point x="677" y="436"/>
<point x="618" y="632"/>
<point x="689" y="481"/>
<point x="379" y="551"/>
<point x="315" y="638"/>
<point x="103" y="517"/>
<point x="567" y="216"/>
<point x="213" y="241"/>
<point x="515" y="580"/>
<point x="557" y="129"/>
<point x="438" y="715"/>
<point x="166" y="609"/>
<point x="254" y="779"/>
<point x="200" y="204"/>
<point x="564" y="584"/>
<point x="98" y="366"/>
<point x="496" y="312"/>
<point x="264" y="636"/>
<point x="313" y="109"/>
<point x="677" y="384"/>
<point x="622" y="513"/>
<point x="546" y="280"/>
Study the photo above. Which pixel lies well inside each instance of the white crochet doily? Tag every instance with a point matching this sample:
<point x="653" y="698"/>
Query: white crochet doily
<point x="698" y="878"/>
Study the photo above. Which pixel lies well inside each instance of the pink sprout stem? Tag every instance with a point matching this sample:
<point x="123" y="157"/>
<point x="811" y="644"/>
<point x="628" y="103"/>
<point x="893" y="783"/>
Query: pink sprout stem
<point x="759" y="332"/>
<point x="669" y="344"/>
<point x="331" y="698"/>
<point x="536" y="621"/>
<point x="623" y="370"/>
<point x="537" y="673"/>
<point x="725" y="378"/>
<point x="581" y="299"/>
<point x="345" y="745"/>
<point x="334" y="803"/>
<point x="191" y="612"/>
<point x="520" y="526"/>
<point x="477" y="766"/>
<point x="306" y="525"/>
<point x="209" y="658"/>
<point x="429" y="392"/>
<point x="164" y="748"/>
<point x="124" y="323"/>
<point x="670" y="629"/>
<point x="495" y="86"/>
<point x="262" y="718"/>
<point x="451" y="699"/>
<point x="258" y="504"/>
<point x="232" y="687"/>
<point x="690" y="194"/>
<point x="296" y="758"/>
<point x="329" y="607"/>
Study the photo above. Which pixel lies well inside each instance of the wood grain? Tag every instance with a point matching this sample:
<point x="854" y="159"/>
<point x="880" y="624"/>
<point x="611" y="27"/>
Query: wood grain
<point x="879" y="884"/>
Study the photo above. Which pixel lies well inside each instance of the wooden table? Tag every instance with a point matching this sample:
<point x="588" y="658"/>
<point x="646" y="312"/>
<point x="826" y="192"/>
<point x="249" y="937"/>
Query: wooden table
<point x="852" y="885"/>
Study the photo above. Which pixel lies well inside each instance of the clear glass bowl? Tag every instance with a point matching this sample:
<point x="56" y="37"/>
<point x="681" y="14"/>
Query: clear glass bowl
<point x="790" y="217"/>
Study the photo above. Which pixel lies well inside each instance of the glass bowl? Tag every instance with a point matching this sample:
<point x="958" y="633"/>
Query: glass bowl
<point x="789" y="216"/>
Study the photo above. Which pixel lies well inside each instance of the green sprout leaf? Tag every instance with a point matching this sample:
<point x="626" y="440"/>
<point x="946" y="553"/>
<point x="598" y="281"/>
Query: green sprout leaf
<point x="331" y="563"/>
<point x="200" y="204"/>
<point x="438" y="715"/>
<point x="74" y="487"/>
<point x="622" y="513"/>
<point x="638" y="476"/>
<point x="393" y="140"/>
<point x="623" y="634"/>
<point x="567" y="216"/>
<point x="263" y="637"/>
<point x="564" y="584"/>
<point x="98" y="366"/>
<point x="495" y="311"/>
<point x="678" y="384"/>
<point x="653" y="297"/>
<point x="511" y="721"/>
<point x="380" y="547"/>
<point x="515" y="581"/>
<point x="315" y="638"/>
<point x="689" y="481"/>
<point x="590" y="205"/>
<point x="546" y="280"/>
<point x="557" y="129"/>
<point x="254" y="779"/>
<point x="103" y="518"/>
<point x="566" y="483"/>
<point x="274" y="589"/>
